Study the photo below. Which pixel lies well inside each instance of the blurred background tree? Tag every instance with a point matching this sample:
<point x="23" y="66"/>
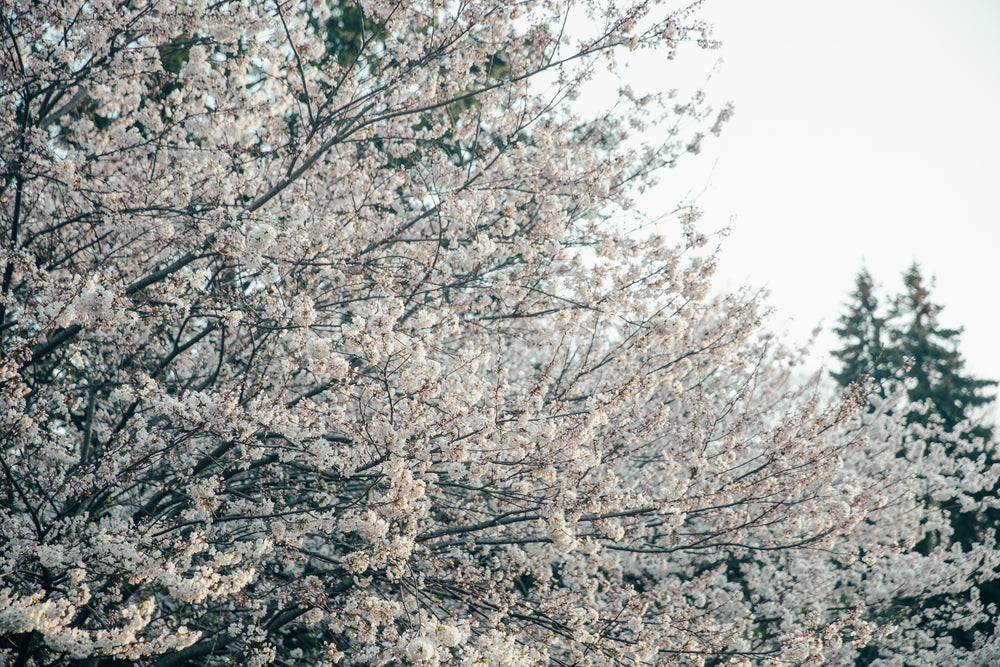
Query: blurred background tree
<point x="936" y="368"/>
<point x="907" y="348"/>
<point x="863" y="331"/>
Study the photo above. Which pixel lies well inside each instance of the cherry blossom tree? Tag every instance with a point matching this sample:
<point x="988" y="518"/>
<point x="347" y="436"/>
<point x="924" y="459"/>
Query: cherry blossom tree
<point x="326" y="340"/>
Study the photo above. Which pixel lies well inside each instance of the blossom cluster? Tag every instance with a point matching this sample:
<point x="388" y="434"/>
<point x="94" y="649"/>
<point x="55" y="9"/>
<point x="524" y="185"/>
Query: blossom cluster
<point x="328" y="337"/>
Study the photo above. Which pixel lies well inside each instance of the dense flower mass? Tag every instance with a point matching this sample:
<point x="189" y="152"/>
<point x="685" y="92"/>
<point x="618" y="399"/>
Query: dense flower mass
<point x="324" y="340"/>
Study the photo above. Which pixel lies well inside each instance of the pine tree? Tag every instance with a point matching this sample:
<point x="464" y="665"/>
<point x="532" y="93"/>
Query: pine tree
<point x="863" y="331"/>
<point x="935" y="374"/>
<point x="909" y="347"/>
<point x="936" y="380"/>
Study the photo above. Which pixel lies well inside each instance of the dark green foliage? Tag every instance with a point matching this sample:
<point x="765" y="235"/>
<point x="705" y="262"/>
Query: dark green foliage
<point x="175" y="54"/>
<point x="908" y="347"/>
<point x="863" y="331"/>
<point x="935" y="363"/>
<point x="348" y="31"/>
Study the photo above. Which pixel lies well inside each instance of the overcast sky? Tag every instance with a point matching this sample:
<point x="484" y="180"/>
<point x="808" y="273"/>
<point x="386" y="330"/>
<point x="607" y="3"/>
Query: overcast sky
<point x="866" y="132"/>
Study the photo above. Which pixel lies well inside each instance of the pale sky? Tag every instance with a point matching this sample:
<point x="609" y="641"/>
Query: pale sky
<point x="865" y="132"/>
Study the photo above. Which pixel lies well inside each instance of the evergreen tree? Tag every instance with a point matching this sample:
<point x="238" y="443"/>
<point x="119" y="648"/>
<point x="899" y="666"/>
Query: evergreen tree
<point x="935" y="372"/>
<point x="929" y="351"/>
<point x="909" y="346"/>
<point x="863" y="331"/>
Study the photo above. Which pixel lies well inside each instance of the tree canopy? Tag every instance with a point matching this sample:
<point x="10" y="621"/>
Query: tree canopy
<point x="325" y="340"/>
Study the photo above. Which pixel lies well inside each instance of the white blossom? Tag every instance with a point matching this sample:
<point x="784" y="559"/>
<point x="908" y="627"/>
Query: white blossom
<point x="325" y="344"/>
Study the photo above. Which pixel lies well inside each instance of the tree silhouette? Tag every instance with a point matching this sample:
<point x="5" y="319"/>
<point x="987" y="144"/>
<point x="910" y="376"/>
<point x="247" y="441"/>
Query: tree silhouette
<point x="863" y="331"/>
<point x="908" y="348"/>
<point x="935" y="366"/>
